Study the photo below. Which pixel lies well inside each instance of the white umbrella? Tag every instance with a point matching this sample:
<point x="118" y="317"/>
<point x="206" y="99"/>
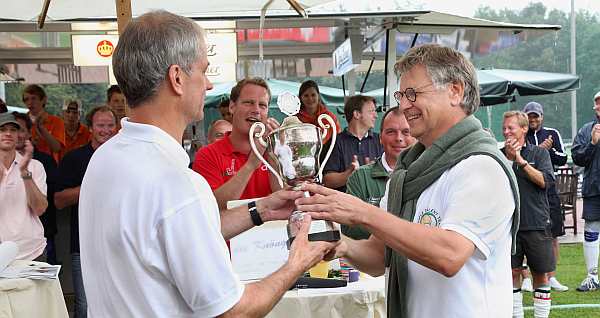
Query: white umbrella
<point x="69" y="10"/>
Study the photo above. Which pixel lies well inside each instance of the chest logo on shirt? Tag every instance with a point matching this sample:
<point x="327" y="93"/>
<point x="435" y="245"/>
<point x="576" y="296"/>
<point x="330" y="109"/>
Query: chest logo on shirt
<point x="430" y="217"/>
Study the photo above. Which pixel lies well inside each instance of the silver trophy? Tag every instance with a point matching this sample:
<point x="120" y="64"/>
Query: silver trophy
<point x="295" y="148"/>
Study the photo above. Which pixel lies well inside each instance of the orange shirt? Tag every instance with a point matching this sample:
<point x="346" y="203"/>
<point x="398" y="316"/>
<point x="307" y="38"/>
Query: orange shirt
<point x="305" y="117"/>
<point x="56" y="128"/>
<point x="82" y="137"/>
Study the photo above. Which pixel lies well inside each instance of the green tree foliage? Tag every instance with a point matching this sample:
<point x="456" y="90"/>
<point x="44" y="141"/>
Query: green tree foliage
<point x="90" y="95"/>
<point x="549" y="53"/>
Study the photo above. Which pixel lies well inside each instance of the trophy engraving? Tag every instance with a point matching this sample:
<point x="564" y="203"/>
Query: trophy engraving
<point x="295" y="149"/>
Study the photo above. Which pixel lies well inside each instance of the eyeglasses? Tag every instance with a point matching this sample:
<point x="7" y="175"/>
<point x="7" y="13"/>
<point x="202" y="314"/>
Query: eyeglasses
<point x="410" y="93"/>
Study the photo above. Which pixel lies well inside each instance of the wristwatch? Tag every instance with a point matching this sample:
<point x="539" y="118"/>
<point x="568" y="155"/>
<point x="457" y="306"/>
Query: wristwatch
<point x="254" y="215"/>
<point x="26" y="175"/>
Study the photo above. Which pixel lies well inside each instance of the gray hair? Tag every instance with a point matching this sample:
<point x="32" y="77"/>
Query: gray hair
<point x="444" y="66"/>
<point x="147" y="48"/>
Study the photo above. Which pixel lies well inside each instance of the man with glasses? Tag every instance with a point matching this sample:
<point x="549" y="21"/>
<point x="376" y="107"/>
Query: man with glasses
<point x="356" y="145"/>
<point x="446" y="245"/>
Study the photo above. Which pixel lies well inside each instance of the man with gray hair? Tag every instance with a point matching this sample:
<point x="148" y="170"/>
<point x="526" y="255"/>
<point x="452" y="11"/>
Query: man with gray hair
<point x="152" y="237"/>
<point x="446" y="244"/>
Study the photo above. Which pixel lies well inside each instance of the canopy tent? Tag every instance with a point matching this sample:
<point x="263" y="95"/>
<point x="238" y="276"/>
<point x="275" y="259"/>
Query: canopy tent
<point x="497" y="86"/>
<point x="526" y="83"/>
<point x="332" y="97"/>
<point x="77" y="10"/>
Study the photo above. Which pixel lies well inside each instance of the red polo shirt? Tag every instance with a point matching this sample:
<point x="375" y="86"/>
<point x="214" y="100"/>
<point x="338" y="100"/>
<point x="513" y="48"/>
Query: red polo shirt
<point x="219" y="162"/>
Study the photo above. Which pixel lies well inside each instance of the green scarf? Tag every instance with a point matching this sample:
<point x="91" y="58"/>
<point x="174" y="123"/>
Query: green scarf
<point x="416" y="170"/>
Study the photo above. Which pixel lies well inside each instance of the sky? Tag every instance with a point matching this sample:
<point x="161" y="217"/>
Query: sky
<point x="468" y="7"/>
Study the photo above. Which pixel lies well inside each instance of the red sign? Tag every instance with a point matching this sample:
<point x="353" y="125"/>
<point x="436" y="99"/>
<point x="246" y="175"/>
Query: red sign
<point x="105" y="48"/>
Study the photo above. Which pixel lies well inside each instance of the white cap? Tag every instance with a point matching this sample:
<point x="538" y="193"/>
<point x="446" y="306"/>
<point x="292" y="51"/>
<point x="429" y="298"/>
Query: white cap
<point x="597" y="95"/>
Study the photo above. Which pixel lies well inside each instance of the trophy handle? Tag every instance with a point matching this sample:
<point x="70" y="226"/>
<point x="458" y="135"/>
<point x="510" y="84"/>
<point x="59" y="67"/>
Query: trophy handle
<point x="258" y="135"/>
<point x="325" y="126"/>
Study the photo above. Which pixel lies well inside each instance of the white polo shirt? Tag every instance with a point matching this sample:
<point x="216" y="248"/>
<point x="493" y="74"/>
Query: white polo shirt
<point x="150" y="232"/>
<point x="474" y="199"/>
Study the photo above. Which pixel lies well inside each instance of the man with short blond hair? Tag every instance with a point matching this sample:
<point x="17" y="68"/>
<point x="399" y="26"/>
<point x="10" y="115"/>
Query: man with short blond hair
<point x="533" y="168"/>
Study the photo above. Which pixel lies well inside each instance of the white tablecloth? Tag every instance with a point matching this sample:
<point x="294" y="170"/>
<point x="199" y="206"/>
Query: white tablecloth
<point x="27" y="298"/>
<point x="362" y="299"/>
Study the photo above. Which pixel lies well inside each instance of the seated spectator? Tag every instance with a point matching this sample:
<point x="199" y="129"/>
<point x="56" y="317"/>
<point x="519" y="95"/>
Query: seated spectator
<point x="48" y="133"/>
<point x="311" y="107"/>
<point x="117" y="102"/>
<point x="49" y="217"/>
<point x="22" y="193"/>
<point x="356" y="145"/>
<point x="224" y="110"/>
<point x="229" y="165"/>
<point x="368" y="182"/>
<point x="533" y="169"/>
<point x="103" y="125"/>
<point x="217" y="130"/>
<point x="76" y="134"/>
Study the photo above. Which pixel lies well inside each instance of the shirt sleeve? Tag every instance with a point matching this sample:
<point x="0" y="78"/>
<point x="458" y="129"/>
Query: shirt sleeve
<point x="354" y="187"/>
<point x="335" y="162"/>
<point x="558" y="156"/>
<point x="206" y="165"/>
<point x="67" y="176"/>
<point x="480" y="203"/>
<point x="583" y="150"/>
<point x="544" y="165"/>
<point x="58" y="130"/>
<point x="199" y="264"/>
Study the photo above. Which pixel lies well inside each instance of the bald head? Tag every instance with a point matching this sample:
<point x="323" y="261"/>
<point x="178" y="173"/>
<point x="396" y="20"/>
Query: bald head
<point x="217" y="130"/>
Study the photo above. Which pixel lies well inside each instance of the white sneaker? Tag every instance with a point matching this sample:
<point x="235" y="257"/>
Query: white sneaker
<point x="556" y="285"/>
<point x="527" y="286"/>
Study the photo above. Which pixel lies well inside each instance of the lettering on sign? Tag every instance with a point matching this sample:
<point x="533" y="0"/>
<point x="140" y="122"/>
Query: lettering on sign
<point x="213" y="70"/>
<point x="211" y="49"/>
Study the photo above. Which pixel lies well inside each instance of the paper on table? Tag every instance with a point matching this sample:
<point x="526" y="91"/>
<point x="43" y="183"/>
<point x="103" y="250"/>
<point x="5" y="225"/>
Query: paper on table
<point x="35" y="270"/>
<point x="8" y="252"/>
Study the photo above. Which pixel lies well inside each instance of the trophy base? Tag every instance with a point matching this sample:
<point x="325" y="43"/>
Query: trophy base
<point x="327" y="236"/>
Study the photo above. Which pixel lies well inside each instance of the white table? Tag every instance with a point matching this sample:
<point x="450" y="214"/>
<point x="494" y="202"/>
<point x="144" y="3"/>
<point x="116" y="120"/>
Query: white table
<point x="25" y="298"/>
<point x="362" y="299"/>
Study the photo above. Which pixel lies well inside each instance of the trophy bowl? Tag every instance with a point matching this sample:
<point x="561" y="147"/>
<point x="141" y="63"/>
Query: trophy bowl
<point x="295" y="149"/>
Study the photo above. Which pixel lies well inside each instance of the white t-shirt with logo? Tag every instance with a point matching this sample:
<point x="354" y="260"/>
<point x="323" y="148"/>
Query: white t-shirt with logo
<point x="150" y="232"/>
<point x="474" y="199"/>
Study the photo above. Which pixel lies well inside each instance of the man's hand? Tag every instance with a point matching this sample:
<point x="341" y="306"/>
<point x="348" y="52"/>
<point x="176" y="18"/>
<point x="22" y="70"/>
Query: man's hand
<point x="339" y="251"/>
<point x="354" y="165"/>
<point x="513" y="151"/>
<point x="41" y="119"/>
<point x="270" y="125"/>
<point x="595" y="134"/>
<point x="278" y="206"/>
<point x="547" y="144"/>
<point x="332" y="205"/>
<point x="27" y="155"/>
<point x="305" y="254"/>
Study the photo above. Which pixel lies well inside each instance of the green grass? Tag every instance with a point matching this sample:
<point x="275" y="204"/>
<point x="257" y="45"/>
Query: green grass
<point x="570" y="271"/>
